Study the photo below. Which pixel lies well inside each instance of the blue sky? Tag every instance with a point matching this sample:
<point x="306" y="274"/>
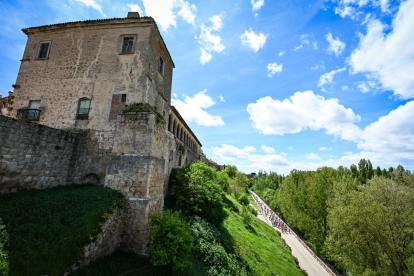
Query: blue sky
<point x="271" y="85"/>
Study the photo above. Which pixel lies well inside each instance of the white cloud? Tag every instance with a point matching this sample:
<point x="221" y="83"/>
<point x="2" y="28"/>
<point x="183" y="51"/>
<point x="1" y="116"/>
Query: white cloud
<point x="268" y="150"/>
<point x="165" y="11"/>
<point x="295" y="48"/>
<point x="175" y="95"/>
<point x="345" y="11"/>
<point x="221" y="98"/>
<point x="392" y="134"/>
<point x="253" y="40"/>
<point x="92" y="4"/>
<point x="312" y="156"/>
<point x="211" y="42"/>
<point x="290" y="148"/>
<point x="344" y="88"/>
<point x="388" y="57"/>
<point x="270" y="162"/>
<point x="316" y="67"/>
<point x="135" y="8"/>
<point x="257" y="4"/>
<point x="324" y="148"/>
<point x="304" y="110"/>
<point x="283" y="153"/>
<point x="192" y="109"/>
<point x="273" y="68"/>
<point x="282" y="53"/>
<point x="229" y="152"/>
<point x="336" y="46"/>
<point x="363" y="87"/>
<point x="328" y="77"/>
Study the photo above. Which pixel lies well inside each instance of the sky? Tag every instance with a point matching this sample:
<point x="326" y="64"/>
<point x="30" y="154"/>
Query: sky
<point x="269" y="85"/>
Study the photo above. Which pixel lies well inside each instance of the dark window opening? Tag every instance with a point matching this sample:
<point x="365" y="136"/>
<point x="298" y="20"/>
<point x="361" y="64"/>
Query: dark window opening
<point x="161" y="65"/>
<point x="44" y="49"/>
<point x="123" y="98"/>
<point x="127" y="45"/>
<point x="83" y="111"/>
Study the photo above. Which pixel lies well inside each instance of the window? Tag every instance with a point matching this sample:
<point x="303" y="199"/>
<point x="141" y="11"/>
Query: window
<point x="43" y="50"/>
<point x="161" y="65"/>
<point x="83" y="111"/>
<point x="123" y="98"/>
<point x="127" y="44"/>
<point x="33" y="111"/>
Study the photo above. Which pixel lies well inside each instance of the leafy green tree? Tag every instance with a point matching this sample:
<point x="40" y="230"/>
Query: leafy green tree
<point x="231" y="171"/>
<point x="170" y="240"/>
<point x="224" y="181"/>
<point x="370" y="171"/>
<point x="240" y="183"/>
<point x="354" y="170"/>
<point x="378" y="171"/>
<point x="371" y="230"/>
<point x="197" y="193"/>
<point x="362" y="168"/>
<point x="246" y="215"/>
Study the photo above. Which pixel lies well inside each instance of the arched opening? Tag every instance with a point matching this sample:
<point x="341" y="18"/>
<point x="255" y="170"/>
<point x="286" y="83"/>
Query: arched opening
<point x="169" y="123"/>
<point x="92" y="178"/>
<point x="83" y="109"/>
<point x="186" y="161"/>
<point x="179" y="161"/>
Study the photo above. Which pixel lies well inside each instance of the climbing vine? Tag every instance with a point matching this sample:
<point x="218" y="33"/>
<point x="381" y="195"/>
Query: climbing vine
<point x="181" y="148"/>
<point x="143" y="107"/>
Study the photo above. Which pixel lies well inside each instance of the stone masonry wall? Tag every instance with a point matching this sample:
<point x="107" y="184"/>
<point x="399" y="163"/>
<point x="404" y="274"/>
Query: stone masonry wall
<point x="37" y="156"/>
<point x="33" y="155"/>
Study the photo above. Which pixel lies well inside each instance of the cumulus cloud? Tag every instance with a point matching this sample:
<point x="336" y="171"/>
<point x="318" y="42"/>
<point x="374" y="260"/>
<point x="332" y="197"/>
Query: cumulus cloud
<point x="268" y="150"/>
<point x="336" y="46"/>
<point x="388" y="57"/>
<point x="328" y="77"/>
<point x="318" y="67"/>
<point x="344" y="88"/>
<point x="211" y="42"/>
<point x="165" y="11"/>
<point x="253" y="40"/>
<point x="345" y="11"/>
<point x="229" y="152"/>
<point x="324" y="148"/>
<point x="91" y="4"/>
<point x="295" y="48"/>
<point x="269" y="162"/>
<point x="282" y="53"/>
<point x="306" y="40"/>
<point x="304" y="110"/>
<point x="273" y="68"/>
<point x="352" y="8"/>
<point x="257" y="4"/>
<point x="135" y="8"/>
<point x="221" y="98"/>
<point x="193" y="109"/>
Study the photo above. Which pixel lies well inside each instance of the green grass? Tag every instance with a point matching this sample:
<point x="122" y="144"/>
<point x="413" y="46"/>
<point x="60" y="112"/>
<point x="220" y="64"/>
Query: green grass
<point x="258" y="246"/>
<point x="49" y="227"/>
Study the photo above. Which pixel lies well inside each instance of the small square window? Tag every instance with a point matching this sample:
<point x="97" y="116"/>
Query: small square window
<point x="123" y="98"/>
<point x="161" y="65"/>
<point x="127" y="44"/>
<point x="43" y="50"/>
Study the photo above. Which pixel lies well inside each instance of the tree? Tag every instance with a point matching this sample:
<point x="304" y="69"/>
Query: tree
<point x="231" y="171"/>
<point x="354" y="170"/>
<point x="378" y="171"/>
<point x="371" y="230"/>
<point x="170" y="240"/>
<point x="4" y="238"/>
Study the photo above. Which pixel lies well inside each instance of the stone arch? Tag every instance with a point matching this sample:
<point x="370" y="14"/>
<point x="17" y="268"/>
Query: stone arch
<point x="173" y="127"/>
<point x="92" y="178"/>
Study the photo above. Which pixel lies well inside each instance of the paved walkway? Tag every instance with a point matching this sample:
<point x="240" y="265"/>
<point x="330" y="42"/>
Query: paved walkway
<point x="306" y="259"/>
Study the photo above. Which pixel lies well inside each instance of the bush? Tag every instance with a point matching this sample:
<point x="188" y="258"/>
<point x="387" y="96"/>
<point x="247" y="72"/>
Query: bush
<point x="246" y="215"/>
<point x="231" y="171"/>
<point x="253" y="211"/>
<point x="224" y="181"/>
<point x="171" y="240"/>
<point x="269" y="195"/>
<point x="216" y="249"/>
<point x="4" y="238"/>
<point x="243" y="200"/>
<point x="197" y="193"/>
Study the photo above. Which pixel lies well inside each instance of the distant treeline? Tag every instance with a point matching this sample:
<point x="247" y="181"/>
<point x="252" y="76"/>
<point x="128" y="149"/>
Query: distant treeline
<point x="360" y="219"/>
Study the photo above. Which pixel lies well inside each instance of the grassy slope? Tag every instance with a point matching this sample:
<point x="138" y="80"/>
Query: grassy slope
<point x="49" y="227"/>
<point x="258" y="245"/>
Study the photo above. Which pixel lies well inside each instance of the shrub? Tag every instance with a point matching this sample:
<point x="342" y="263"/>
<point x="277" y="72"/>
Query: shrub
<point x="171" y="240"/>
<point x="243" y="200"/>
<point x="231" y="171"/>
<point x="246" y="215"/>
<point x="197" y="194"/>
<point x="224" y="181"/>
<point x="4" y="238"/>
<point x="253" y="211"/>
<point x="269" y="195"/>
<point x="216" y="249"/>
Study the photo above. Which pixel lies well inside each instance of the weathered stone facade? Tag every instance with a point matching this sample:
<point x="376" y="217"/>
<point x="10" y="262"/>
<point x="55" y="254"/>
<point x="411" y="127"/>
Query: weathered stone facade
<point x="131" y="153"/>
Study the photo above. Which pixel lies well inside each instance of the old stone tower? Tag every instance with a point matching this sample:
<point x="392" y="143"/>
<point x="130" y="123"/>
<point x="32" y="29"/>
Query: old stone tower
<point x="74" y="81"/>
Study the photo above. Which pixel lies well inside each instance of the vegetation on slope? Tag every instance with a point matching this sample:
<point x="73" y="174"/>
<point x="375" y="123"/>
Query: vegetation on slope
<point x="48" y="228"/>
<point x="228" y="240"/>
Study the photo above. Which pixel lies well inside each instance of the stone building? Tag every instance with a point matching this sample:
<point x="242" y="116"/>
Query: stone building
<point x="6" y="104"/>
<point x="76" y="78"/>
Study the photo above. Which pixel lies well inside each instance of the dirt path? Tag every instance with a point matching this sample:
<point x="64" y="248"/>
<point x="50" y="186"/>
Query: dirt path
<point x="306" y="260"/>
